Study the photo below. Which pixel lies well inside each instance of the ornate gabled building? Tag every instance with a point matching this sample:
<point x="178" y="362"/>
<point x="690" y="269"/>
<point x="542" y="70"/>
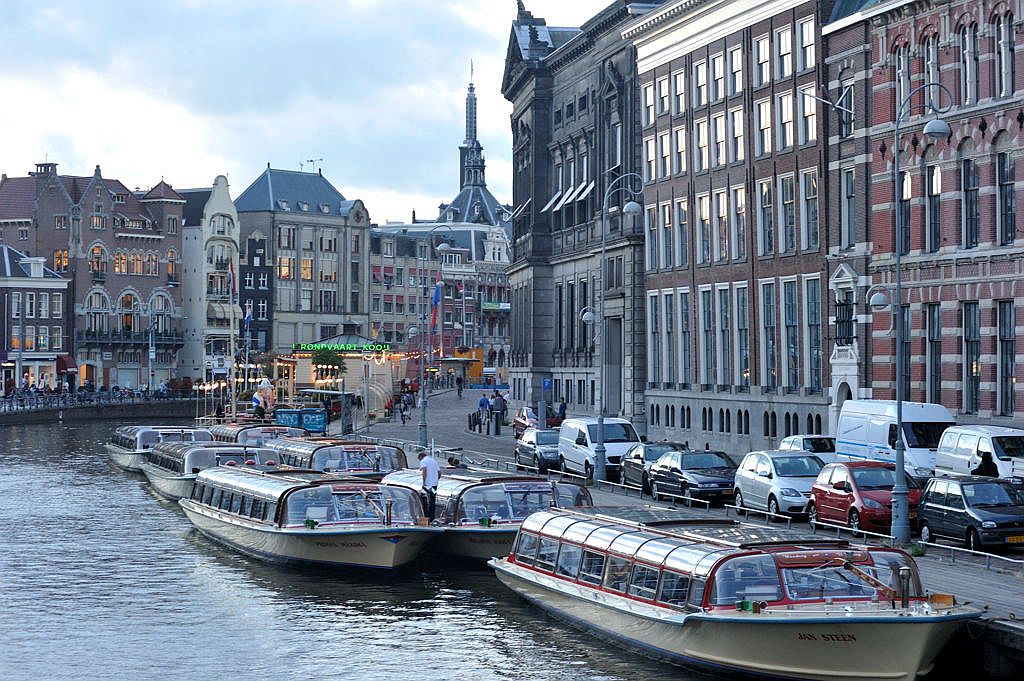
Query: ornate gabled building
<point x="575" y="129"/>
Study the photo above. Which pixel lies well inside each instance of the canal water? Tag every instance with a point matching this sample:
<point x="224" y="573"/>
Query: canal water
<point x="99" y="579"/>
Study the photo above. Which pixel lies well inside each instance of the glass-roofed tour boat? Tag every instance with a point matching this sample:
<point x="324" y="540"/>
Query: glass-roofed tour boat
<point x="253" y="433"/>
<point x="128" y="445"/>
<point x="308" y="517"/>
<point x="336" y="455"/>
<point x="481" y="510"/>
<point x="729" y="597"/>
<point x="172" y="467"/>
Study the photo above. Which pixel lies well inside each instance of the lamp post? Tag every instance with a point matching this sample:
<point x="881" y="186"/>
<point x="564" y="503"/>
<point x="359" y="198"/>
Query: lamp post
<point x="421" y="254"/>
<point x="630" y="208"/>
<point x="934" y="129"/>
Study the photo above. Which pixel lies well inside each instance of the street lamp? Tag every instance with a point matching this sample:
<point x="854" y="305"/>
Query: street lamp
<point x="630" y="208"/>
<point x="442" y="248"/>
<point x="935" y="129"/>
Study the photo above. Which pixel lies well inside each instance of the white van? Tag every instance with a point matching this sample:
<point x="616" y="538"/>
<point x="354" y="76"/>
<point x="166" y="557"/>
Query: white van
<point x="867" y="430"/>
<point x="576" y="439"/>
<point x="961" y="448"/>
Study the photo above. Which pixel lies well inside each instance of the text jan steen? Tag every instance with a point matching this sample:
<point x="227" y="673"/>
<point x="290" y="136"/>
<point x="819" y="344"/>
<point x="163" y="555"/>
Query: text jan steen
<point x="831" y="638"/>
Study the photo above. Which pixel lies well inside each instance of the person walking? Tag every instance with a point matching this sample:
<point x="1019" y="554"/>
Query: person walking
<point x="431" y="473"/>
<point x="561" y="409"/>
<point x="499" y="406"/>
<point x="458" y="386"/>
<point x="483" y="406"/>
<point x="987" y="466"/>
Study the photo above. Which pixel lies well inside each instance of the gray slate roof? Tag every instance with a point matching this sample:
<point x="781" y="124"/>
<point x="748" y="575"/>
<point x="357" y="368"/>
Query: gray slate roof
<point x="293" y="188"/>
<point x="10" y="264"/>
<point x="195" y="202"/>
<point x="491" y="212"/>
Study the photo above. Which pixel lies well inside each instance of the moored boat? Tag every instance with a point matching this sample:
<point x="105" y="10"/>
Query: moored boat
<point x="480" y="511"/>
<point x="336" y="455"/>
<point x="733" y="598"/>
<point x="172" y="467"/>
<point x="308" y="517"/>
<point x="253" y="433"/>
<point x="128" y="445"/>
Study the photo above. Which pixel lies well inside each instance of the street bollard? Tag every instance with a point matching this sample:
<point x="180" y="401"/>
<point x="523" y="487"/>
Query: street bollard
<point x="497" y="422"/>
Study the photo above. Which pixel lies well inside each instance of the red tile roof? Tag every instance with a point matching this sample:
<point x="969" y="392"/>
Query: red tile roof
<point x="162" y="191"/>
<point x="17" y="198"/>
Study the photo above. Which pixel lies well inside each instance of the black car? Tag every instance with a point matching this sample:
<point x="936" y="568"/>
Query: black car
<point x="637" y="462"/>
<point x="704" y="475"/>
<point x="537" y="448"/>
<point x="979" y="511"/>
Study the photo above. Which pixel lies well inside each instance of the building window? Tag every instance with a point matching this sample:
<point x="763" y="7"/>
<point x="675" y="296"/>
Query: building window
<point x="650" y="161"/>
<point x="655" y="340"/>
<point x="708" y="338"/>
<point x="971" y="210"/>
<point x="762" y="54"/>
<point x="670" y="348"/>
<point x="903" y="235"/>
<point x="930" y="66"/>
<point x="806" y="30"/>
<point x="60" y="260"/>
<point x="905" y="350"/>
<point x="663" y="95"/>
<point x="683" y="232"/>
<point x="902" y="78"/>
<point x="809" y="208"/>
<point x="764" y="127"/>
<point x="846" y="112"/>
<point x="285" y="268"/>
<point x="724" y="339"/>
<point x="739" y="222"/>
<point x="57" y="309"/>
<point x="717" y="77"/>
<point x="678" y="92"/>
<point x="60" y="221"/>
<point x="736" y="70"/>
<point x="770" y="377"/>
<point x="848" y="209"/>
<point x="172" y="224"/>
<point x="808" y="115"/>
<point x="652" y="237"/>
<point x="1004" y="55"/>
<point x="792" y="335"/>
<point x="766" y="222"/>
<point x="968" y="38"/>
<point x="700" y="83"/>
<point x="718" y="127"/>
<point x="844" y="319"/>
<point x="30" y="305"/>
<point x="784" y="52"/>
<point x="664" y="155"/>
<point x="736" y="135"/>
<point x="261" y="309"/>
<point x="1005" y="177"/>
<point x="286" y="238"/>
<point x="1007" y="357"/>
<point x="684" y="339"/>
<point x="933" y="224"/>
<point x="700" y="131"/>
<point x="666" y="236"/>
<point x="933" y="316"/>
<point x="743" y="336"/>
<point x="813" y="302"/>
<point x="784" y="109"/>
<point x="648" y="105"/>
<point x="721" y="226"/>
<point x="703" y="229"/>
<point x="787" y="213"/>
<point x="679" y="158"/>
<point x="972" y="358"/>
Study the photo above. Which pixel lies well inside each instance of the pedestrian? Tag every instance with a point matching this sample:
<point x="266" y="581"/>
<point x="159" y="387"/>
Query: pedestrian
<point x="987" y="466"/>
<point x="499" y="406"/>
<point x="402" y="408"/>
<point x="458" y="386"/>
<point x="561" y="409"/>
<point x="431" y="473"/>
<point x="483" y="406"/>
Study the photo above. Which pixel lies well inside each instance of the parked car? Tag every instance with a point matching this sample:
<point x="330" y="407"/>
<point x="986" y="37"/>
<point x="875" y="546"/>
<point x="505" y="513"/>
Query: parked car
<point x="538" y="448"/>
<point x="979" y="511"/>
<point x="637" y="462"/>
<point x="961" y="448"/>
<point x="822" y="445"/>
<point x="526" y="417"/>
<point x="577" y="438"/>
<point x="859" y="493"/>
<point x="707" y="475"/>
<point x="867" y="430"/>
<point x="778" y="481"/>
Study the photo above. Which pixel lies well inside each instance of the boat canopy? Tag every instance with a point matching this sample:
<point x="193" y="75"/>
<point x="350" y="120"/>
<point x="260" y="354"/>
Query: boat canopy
<point x="335" y="454"/>
<point x="191" y="457"/>
<point x="249" y="433"/>
<point x="144" y="437"/>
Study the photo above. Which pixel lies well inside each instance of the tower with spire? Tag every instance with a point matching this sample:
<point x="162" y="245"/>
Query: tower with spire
<point x="471" y="154"/>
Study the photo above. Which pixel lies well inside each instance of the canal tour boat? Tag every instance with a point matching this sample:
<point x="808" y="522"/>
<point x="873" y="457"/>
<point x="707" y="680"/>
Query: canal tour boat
<point x="732" y="598"/>
<point x="128" y="445"/>
<point x="481" y="510"/>
<point x="172" y="467"/>
<point x="256" y="434"/>
<point x="308" y="517"/>
<point x="336" y="455"/>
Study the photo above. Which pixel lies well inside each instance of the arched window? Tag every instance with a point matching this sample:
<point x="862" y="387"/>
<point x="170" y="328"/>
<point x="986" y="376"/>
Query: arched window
<point x="968" y="39"/>
<point x="775" y="423"/>
<point x="901" y="66"/>
<point x="162" y="309"/>
<point x="728" y="421"/>
<point x="930" y="67"/>
<point x="810" y="424"/>
<point x="172" y="263"/>
<point x="766" y="427"/>
<point x="130" y="310"/>
<point x="98" y="259"/>
<point x="817" y="424"/>
<point x="1003" y="30"/>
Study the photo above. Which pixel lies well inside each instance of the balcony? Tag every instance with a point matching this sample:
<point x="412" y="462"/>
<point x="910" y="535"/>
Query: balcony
<point x="99" y="276"/>
<point x="221" y="264"/>
<point x="214" y="293"/>
<point x="163" y="339"/>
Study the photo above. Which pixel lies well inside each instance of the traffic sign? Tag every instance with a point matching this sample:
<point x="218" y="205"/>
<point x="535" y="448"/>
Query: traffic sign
<point x="546" y="383"/>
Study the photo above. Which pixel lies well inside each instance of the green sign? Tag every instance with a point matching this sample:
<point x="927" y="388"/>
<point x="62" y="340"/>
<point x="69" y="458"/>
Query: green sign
<point x="342" y="347"/>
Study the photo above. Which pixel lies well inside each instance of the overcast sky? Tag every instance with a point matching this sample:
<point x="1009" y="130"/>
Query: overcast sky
<point x="188" y="89"/>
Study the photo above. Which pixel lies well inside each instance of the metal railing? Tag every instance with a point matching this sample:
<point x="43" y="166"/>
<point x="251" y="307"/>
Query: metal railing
<point x="768" y="515"/>
<point x="886" y="538"/>
<point x="24" y="403"/>
<point x="1016" y="565"/>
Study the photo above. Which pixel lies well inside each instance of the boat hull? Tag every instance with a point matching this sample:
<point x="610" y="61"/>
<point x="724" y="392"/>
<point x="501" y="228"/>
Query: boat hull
<point x="475" y="543"/>
<point x="381" y="547"/>
<point x="167" y="485"/>
<point x="835" y="647"/>
<point x="128" y="460"/>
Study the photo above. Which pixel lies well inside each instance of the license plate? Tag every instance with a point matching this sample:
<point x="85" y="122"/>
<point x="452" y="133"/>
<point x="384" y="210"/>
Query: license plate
<point x="1019" y="539"/>
<point x="727" y="491"/>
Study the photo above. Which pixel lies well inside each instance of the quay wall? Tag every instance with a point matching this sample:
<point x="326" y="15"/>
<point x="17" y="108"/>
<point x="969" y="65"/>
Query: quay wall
<point x="161" y="410"/>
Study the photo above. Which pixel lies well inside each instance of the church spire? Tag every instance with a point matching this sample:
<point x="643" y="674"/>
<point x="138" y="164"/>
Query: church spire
<point x="471" y="154"/>
<point x="470" y="109"/>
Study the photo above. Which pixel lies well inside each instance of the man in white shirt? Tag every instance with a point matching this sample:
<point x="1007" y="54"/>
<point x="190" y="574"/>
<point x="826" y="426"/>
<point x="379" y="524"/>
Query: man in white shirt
<point x="431" y="474"/>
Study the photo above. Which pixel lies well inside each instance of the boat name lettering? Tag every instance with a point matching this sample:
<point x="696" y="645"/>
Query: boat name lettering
<point x="346" y="544"/>
<point x="837" y="638"/>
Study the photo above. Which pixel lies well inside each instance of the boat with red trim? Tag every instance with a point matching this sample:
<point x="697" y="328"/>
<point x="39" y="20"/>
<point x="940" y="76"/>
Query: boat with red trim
<point x="724" y="596"/>
<point x="337" y="455"/>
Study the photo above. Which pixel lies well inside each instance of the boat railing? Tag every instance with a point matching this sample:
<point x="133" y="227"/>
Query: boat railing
<point x="991" y="561"/>
<point x="768" y="516"/>
<point x="856" y="532"/>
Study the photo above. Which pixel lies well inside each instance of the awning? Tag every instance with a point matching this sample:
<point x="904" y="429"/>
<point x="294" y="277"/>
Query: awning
<point x="554" y="198"/>
<point x="516" y="213"/>
<point x="66" y="365"/>
<point x="565" y="197"/>
<point x="222" y="311"/>
<point x="586" y="192"/>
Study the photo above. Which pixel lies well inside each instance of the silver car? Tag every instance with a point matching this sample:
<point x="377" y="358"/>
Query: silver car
<point x="777" y="480"/>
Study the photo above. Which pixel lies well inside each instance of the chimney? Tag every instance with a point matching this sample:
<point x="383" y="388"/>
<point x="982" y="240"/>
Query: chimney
<point x="46" y="169"/>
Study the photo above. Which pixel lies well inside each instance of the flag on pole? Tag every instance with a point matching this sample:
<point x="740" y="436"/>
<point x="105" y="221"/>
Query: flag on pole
<point x="231" y="276"/>
<point x="248" y="315"/>
<point x="434" y="304"/>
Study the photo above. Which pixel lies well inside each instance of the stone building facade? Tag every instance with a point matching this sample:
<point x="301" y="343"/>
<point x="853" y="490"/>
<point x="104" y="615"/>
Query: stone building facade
<point x="735" y="246"/>
<point x="575" y="130"/>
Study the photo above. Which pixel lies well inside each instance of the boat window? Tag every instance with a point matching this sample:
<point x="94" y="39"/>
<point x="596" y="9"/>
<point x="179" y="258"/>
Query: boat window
<point x="243" y="507"/>
<point x="271" y="511"/>
<point x="257" y="509"/>
<point x="224" y="458"/>
<point x="674" y="587"/>
<point x="546" y="553"/>
<point x="569" y="495"/>
<point x="225" y="501"/>
<point x="486" y="501"/>
<point x="526" y="548"/>
<point x="357" y="507"/>
<point x="569" y="560"/>
<point x="616" y="575"/>
<point x="696" y="597"/>
<point x="529" y="500"/>
<point x="592" y="567"/>
<point x="644" y="583"/>
<point x="360" y="459"/>
<point x="208" y="496"/>
<point x="311" y="503"/>
<point x="888" y="564"/>
<point x="753" y="578"/>
<point x="197" y="493"/>
<point x="150" y="438"/>
<point x="832" y="579"/>
<point x="236" y="502"/>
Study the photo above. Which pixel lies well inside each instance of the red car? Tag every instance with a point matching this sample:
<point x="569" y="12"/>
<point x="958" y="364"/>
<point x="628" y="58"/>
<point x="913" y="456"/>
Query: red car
<point x="526" y="417"/>
<point x="859" y="494"/>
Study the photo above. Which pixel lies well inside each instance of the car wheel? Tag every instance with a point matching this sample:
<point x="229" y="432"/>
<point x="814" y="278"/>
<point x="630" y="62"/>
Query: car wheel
<point x="738" y="503"/>
<point x="926" y="532"/>
<point x="973" y="541"/>
<point x="588" y="471"/>
<point x="855" y="519"/>
<point x="812" y="513"/>
<point x="773" y="506"/>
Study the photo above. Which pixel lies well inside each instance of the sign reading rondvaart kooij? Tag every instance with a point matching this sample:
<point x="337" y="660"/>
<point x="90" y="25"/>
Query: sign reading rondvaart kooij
<point x="341" y="347"/>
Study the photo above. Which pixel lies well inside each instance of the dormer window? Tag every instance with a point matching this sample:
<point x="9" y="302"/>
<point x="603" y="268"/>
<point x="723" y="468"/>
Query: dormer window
<point x="303" y="206"/>
<point x="120" y="198"/>
<point x="324" y="208"/>
<point x="282" y="204"/>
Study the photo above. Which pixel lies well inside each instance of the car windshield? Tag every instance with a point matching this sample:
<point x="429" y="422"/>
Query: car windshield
<point x="798" y="466"/>
<point x="820" y="445"/>
<point x="924" y="434"/>
<point x="615" y="432"/>
<point x="874" y="478"/>
<point x="986" y="494"/>
<point x="547" y="437"/>
<point x="654" y="452"/>
<point x="705" y="460"/>
<point x="1009" y="447"/>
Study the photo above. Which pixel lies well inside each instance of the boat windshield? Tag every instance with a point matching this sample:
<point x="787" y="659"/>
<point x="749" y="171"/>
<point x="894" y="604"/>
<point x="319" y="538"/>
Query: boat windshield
<point x="325" y="505"/>
<point x="992" y="494"/>
<point x="705" y="460"/>
<point x="837" y="578"/>
<point x="798" y="466"/>
<point x="752" y="578"/>
<point x="1009" y="447"/>
<point x="569" y="495"/>
<point x="508" y="501"/>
